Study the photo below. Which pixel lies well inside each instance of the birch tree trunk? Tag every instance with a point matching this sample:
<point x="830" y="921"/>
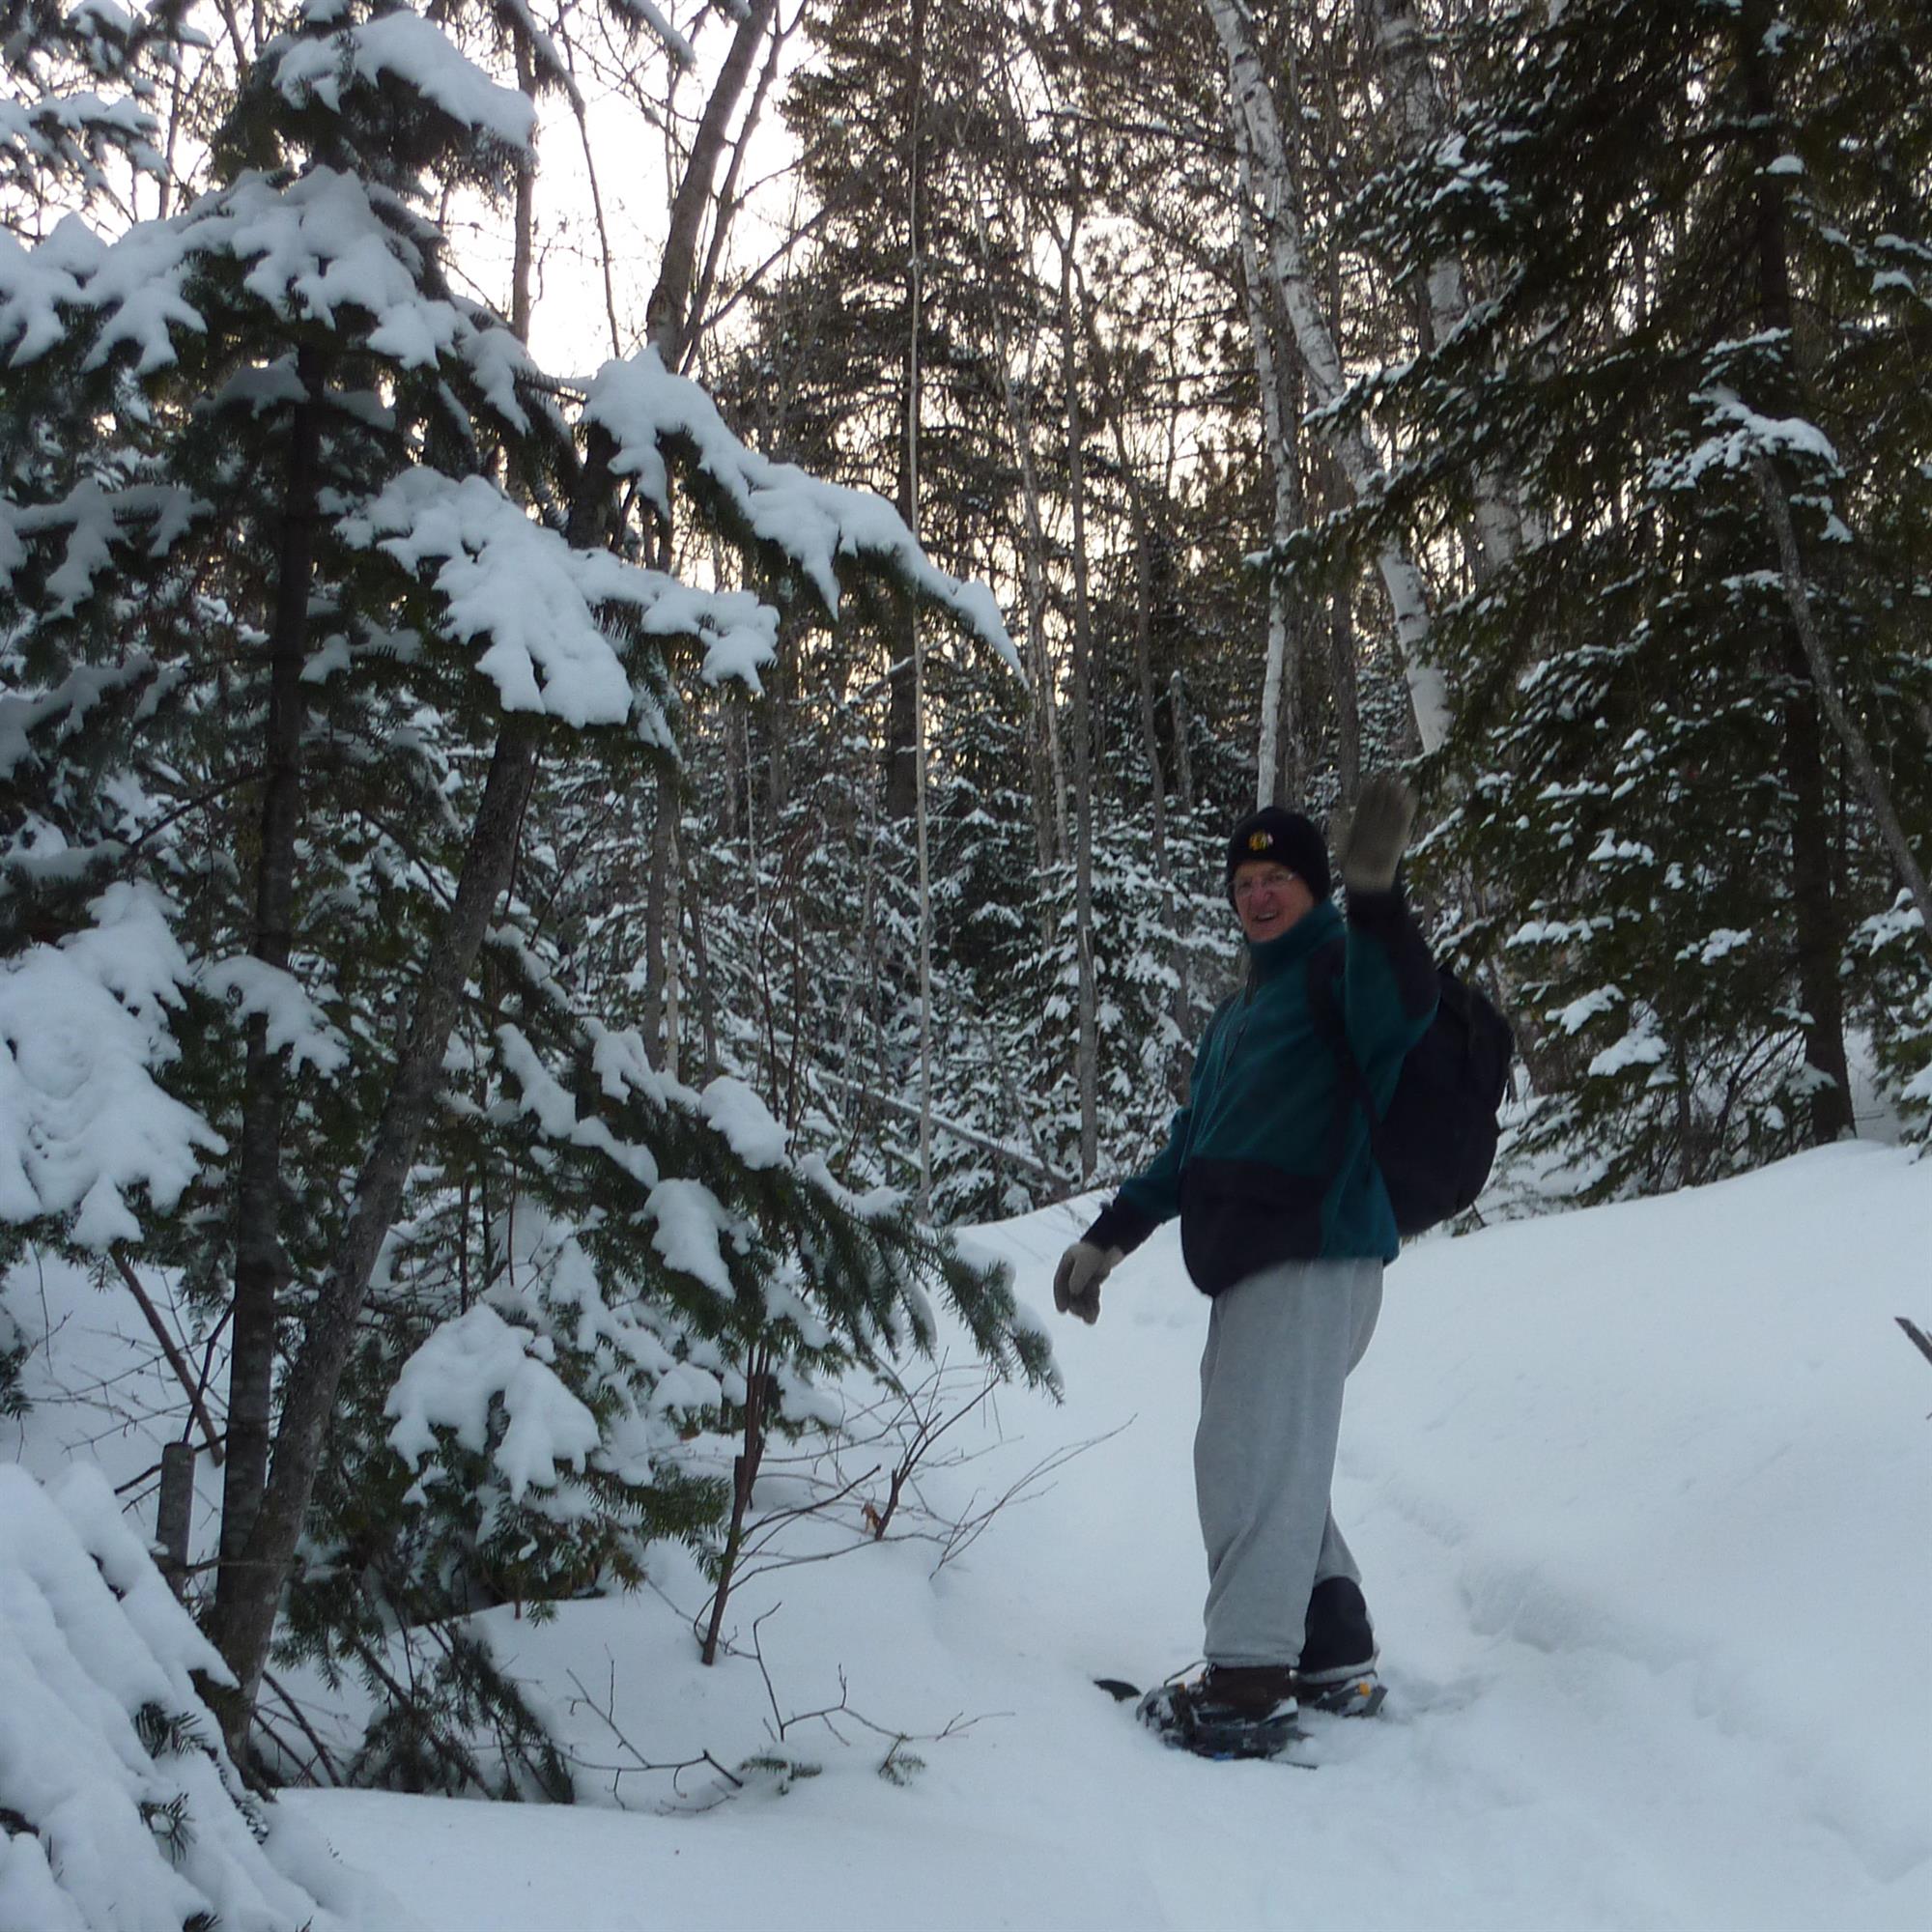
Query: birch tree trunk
<point x="916" y="293"/>
<point x="902" y="697"/>
<point x="1049" y="771"/>
<point x="1287" y="261"/>
<point x="1275" y="777"/>
<point x="1088" y="1050"/>
<point x="1423" y="118"/>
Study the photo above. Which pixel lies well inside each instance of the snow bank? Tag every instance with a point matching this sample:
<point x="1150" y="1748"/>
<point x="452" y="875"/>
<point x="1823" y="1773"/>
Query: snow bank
<point x="1643" y="1500"/>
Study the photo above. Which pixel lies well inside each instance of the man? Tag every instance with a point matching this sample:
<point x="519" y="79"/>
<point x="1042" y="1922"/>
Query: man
<point x="1286" y="1224"/>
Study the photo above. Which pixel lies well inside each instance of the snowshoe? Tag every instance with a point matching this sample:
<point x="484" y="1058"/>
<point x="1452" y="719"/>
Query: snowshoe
<point x="1355" y="1693"/>
<point x="1230" y="1711"/>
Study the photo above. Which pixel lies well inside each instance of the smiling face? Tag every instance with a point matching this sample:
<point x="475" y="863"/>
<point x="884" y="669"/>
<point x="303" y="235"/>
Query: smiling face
<point x="1269" y="898"/>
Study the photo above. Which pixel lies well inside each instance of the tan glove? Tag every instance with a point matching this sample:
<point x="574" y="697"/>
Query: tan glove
<point x="1076" y="1281"/>
<point x="1369" y="841"/>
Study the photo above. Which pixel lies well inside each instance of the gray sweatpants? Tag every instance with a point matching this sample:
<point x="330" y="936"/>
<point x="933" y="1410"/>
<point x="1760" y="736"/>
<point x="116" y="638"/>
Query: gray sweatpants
<point x="1280" y="1346"/>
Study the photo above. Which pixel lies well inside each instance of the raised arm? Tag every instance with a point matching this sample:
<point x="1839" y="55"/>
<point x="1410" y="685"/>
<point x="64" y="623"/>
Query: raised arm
<point x="1388" y="980"/>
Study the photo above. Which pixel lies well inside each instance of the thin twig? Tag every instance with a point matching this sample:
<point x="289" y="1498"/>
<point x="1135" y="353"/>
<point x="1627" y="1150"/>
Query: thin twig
<point x="969" y="1529"/>
<point x="308" y="1730"/>
<point x="176" y="1361"/>
<point x="264" y="1723"/>
<point x="606" y="1715"/>
<point x="958" y="1725"/>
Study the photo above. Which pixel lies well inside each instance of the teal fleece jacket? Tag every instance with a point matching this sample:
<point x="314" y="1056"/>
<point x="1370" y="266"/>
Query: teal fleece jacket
<point x="1268" y="1161"/>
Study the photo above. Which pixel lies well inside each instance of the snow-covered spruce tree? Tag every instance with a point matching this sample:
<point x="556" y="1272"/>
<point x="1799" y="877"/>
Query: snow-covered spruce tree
<point x="762" y="1272"/>
<point x="1693" y="697"/>
<point x="88" y="967"/>
<point x="276" y="495"/>
<point x="85" y="113"/>
<point x="118" y="1805"/>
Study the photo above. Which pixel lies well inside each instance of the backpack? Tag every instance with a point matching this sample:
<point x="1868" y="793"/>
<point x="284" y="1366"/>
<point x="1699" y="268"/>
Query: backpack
<point x="1437" y="1140"/>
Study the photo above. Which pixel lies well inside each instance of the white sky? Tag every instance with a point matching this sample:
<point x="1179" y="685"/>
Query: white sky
<point x="570" y="328"/>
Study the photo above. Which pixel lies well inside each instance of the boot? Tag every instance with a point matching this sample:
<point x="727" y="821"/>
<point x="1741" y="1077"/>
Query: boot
<point x="1337" y="1672"/>
<point x="1231" y="1709"/>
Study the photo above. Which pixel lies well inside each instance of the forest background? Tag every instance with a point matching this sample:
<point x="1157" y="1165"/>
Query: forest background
<point x="526" y="842"/>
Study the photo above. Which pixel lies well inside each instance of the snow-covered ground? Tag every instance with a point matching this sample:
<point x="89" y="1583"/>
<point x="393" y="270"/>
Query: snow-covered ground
<point x="1643" y="1500"/>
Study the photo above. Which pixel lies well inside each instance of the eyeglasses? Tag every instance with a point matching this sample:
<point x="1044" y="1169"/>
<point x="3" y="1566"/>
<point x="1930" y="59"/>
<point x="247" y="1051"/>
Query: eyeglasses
<point x="1247" y="884"/>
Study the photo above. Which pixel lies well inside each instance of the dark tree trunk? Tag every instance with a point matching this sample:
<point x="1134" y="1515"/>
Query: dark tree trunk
<point x="667" y="318"/>
<point x="243" y="1632"/>
<point x="1819" y="940"/>
<point x="248" y="1622"/>
<point x="1183" y="757"/>
<point x="1814" y="909"/>
<point x="658" y="918"/>
<point x="745" y="1468"/>
<point x="1180" y="1004"/>
<point x="902" y="720"/>
<point x="261" y="1267"/>
<point x="1348" y="693"/>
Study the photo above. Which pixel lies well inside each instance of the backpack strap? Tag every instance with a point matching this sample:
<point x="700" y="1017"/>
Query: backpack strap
<point x="1324" y="970"/>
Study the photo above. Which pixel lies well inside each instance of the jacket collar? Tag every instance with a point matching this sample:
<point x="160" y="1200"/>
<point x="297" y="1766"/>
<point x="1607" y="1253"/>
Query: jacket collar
<point x="1313" y="930"/>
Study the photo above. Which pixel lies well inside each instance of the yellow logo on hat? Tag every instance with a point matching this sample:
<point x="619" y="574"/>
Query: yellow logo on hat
<point x="1260" y="841"/>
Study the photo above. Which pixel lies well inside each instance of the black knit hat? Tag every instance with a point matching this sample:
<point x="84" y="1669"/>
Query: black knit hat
<point x="1285" y="839"/>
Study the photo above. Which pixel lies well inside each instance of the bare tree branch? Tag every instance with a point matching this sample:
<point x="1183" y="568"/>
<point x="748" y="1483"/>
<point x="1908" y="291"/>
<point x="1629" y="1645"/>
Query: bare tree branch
<point x="177" y="1361"/>
<point x="1796" y="594"/>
